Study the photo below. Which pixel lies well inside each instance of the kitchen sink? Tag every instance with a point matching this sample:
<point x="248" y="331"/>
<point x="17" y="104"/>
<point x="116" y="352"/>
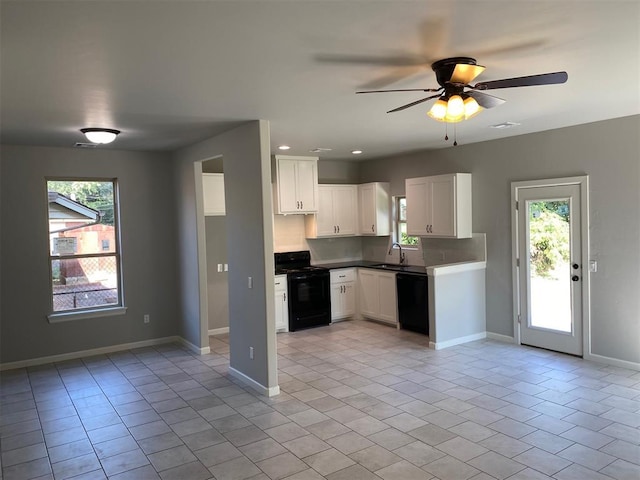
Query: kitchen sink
<point x="390" y="266"/>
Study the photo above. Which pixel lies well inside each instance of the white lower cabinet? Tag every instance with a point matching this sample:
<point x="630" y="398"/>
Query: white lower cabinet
<point x="378" y="299"/>
<point x="282" y="304"/>
<point x="343" y="293"/>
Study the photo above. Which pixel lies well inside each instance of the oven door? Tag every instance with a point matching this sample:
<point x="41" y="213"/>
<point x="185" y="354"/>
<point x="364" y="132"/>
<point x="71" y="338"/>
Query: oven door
<point x="309" y="300"/>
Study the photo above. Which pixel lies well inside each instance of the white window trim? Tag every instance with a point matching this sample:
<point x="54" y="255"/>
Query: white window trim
<point x="69" y="316"/>
<point x="396" y="230"/>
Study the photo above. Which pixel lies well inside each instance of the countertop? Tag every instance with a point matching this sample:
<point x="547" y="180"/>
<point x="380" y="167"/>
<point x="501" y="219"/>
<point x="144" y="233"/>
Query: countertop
<point x="431" y="270"/>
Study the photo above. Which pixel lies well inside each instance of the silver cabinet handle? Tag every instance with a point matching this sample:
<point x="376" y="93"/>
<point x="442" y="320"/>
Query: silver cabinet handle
<point x="338" y="228"/>
<point x="339" y="276"/>
<point x="373" y="229"/>
<point x="284" y="297"/>
<point x="301" y="205"/>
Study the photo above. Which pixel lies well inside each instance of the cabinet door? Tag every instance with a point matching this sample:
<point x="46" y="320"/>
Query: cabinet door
<point x="287" y="179"/>
<point x="349" y="299"/>
<point x="213" y="193"/>
<point x="418" y="214"/>
<point x="367" y="207"/>
<point x="344" y="209"/>
<point x="307" y="185"/>
<point x="387" y="297"/>
<point x="282" y="304"/>
<point x="337" y="310"/>
<point x="325" y="222"/>
<point x="441" y="203"/>
<point x="368" y="285"/>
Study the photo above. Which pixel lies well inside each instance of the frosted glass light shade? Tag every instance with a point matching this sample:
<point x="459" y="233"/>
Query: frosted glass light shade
<point x="471" y="107"/>
<point x="438" y="110"/>
<point x="100" y="135"/>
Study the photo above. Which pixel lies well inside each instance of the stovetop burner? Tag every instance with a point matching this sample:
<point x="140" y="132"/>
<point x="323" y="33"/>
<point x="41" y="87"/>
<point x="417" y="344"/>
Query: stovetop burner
<point x="284" y="270"/>
<point x="295" y="262"/>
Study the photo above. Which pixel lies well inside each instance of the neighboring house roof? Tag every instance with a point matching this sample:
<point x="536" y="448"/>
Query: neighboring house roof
<point x="63" y="209"/>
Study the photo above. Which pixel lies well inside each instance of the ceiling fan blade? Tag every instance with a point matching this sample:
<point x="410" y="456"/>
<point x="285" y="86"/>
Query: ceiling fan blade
<point x="393" y="61"/>
<point x="394" y="76"/>
<point x="531" y="80"/>
<point x="417" y="102"/>
<point x="486" y="101"/>
<point x="403" y="90"/>
<point x="465" y="73"/>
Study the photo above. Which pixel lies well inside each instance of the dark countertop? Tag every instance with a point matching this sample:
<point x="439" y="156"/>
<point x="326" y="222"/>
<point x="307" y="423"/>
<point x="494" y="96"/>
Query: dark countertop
<point x="369" y="264"/>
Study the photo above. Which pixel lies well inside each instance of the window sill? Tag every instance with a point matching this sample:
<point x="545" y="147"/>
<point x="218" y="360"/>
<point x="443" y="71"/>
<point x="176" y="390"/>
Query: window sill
<point x="84" y="314"/>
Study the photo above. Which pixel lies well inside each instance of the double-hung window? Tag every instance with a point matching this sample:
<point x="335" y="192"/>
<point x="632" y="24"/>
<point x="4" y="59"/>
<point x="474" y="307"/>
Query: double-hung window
<point x="84" y="246"/>
<point x="401" y="223"/>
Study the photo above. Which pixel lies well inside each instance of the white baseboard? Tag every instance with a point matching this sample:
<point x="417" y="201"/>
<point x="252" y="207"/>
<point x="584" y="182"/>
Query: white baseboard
<point x="88" y="353"/>
<point x="457" y="341"/>
<point x="267" y="391"/>
<point x="218" y="331"/>
<point x="194" y="348"/>
<point x="500" y="338"/>
<point x="611" y="361"/>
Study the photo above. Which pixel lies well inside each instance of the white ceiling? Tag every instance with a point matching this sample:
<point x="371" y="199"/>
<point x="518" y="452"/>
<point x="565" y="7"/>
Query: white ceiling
<point x="170" y="73"/>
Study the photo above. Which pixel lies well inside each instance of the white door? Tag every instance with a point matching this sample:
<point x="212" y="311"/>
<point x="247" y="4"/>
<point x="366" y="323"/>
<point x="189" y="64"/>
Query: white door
<point x="550" y="267"/>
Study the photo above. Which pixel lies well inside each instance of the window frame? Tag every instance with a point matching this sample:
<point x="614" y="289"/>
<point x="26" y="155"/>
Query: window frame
<point x="111" y="309"/>
<point x="397" y="221"/>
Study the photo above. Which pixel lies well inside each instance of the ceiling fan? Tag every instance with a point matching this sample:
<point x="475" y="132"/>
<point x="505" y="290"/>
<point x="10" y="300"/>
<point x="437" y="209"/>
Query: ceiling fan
<point x="459" y="100"/>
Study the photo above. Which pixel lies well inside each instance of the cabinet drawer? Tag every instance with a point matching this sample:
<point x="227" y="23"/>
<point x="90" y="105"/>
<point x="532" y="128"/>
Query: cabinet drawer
<point x="281" y="282"/>
<point x="343" y="275"/>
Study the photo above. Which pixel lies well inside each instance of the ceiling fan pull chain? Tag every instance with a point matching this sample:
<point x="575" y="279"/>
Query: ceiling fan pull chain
<point x="455" y="136"/>
<point x="446" y="131"/>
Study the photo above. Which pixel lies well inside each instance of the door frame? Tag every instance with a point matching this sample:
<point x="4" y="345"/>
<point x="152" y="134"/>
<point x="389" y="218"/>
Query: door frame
<point x="583" y="182"/>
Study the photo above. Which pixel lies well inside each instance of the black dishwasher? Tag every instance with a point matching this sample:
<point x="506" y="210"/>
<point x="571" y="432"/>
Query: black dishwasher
<point x="413" y="305"/>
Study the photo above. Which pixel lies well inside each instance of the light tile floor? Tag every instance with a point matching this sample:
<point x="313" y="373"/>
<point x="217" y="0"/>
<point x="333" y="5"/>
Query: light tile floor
<point x="359" y="401"/>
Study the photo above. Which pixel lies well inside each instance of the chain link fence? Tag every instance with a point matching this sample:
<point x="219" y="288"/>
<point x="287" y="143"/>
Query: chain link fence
<point x="84" y="282"/>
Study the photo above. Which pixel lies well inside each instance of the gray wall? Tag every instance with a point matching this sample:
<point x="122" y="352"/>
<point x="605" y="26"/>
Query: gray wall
<point x="247" y="169"/>
<point x="147" y="214"/>
<point x="217" y="282"/>
<point x="609" y="152"/>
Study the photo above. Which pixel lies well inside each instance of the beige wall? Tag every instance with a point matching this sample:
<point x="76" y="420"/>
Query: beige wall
<point x="609" y="152"/>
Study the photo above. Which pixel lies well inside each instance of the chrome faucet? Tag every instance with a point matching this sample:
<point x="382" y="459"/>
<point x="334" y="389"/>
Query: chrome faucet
<point x="400" y="250"/>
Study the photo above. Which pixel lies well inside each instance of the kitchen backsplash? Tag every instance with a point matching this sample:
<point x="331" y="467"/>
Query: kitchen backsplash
<point x="289" y="236"/>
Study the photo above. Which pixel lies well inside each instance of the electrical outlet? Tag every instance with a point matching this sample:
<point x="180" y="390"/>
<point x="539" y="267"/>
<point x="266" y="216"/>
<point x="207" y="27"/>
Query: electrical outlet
<point x="593" y="266"/>
<point x="250" y="282"/>
<point x="250" y="353"/>
<point x="226" y="267"/>
<point x="219" y="267"/>
<point x="146" y="318"/>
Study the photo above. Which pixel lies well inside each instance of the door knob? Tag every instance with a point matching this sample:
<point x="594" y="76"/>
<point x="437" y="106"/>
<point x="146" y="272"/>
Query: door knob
<point x="575" y="266"/>
<point x="575" y="278"/>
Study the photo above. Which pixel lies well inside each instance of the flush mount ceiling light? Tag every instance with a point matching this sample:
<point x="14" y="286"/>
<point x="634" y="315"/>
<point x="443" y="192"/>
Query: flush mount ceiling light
<point x="284" y="147"/>
<point x="356" y="152"/>
<point x="100" y="135"/>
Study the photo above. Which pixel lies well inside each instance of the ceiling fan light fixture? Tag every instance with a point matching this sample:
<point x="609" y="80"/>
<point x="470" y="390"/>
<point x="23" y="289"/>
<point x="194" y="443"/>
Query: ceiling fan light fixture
<point x="471" y="108"/>
<point x="438" y="110"/>
<point x="100" y="135"/>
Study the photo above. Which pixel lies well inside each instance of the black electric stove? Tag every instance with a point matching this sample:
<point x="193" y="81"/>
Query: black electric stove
<point x="308" y="287"/>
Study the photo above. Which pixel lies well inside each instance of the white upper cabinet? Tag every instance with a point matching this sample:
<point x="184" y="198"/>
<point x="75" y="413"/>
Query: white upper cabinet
<point x="337" y="212"/>
<point x="213" y="193"/>
<point x="374" y="203"/>
<point x="296" y="184"/>
<point x="439" y="206"/>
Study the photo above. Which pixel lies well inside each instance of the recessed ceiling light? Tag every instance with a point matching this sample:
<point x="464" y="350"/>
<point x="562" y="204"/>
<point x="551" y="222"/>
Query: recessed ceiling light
<point x="356" y="152"/>
<point x="284" y="147"/>
<point x="504" y="125"/>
